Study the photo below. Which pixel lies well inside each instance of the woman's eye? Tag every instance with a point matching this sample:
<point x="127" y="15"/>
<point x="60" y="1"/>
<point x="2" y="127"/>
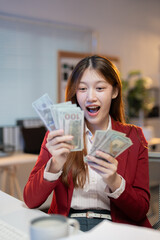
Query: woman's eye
<point x="100" y="88"/>
<point x="82" y="88"/>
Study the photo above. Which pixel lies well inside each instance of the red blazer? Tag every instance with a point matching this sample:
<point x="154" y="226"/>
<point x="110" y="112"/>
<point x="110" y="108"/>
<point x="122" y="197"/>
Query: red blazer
<point x="130" y="207"/>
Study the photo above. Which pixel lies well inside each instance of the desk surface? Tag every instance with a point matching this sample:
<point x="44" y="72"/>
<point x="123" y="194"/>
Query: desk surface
<point x="16" y="213"/>
<point x="154" y="156"/>
<point x="17" y="158"/>
<point x="154" y="141"/>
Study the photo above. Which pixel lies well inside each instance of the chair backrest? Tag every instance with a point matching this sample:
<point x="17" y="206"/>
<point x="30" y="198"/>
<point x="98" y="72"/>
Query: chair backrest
<point x="33" y="138"/>
<point x="32" y="133"/>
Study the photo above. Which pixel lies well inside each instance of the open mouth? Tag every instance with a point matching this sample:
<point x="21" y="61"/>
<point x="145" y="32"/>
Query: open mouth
<point x="93" y="109"/>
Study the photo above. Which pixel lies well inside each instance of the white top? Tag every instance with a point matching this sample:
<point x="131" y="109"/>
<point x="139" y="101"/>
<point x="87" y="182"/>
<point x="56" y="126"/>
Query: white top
<point x="95" y="192"/>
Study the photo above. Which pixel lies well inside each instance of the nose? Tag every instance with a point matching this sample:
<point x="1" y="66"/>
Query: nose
<point x="91" y="95"/>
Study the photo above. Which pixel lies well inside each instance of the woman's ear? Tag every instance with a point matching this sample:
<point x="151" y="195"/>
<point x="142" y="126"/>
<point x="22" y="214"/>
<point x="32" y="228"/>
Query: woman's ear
<point x="114" y="93"/>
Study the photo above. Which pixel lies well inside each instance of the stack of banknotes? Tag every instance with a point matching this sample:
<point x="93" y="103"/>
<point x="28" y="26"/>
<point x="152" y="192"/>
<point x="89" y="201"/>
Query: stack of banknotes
<point x="66" y="116"/>
<point x="70" y="118"/>
<point x="111" y="142"/>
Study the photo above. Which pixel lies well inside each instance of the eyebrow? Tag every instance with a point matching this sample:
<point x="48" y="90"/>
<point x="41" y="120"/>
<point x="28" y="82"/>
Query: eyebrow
<point x="100" y="81"/>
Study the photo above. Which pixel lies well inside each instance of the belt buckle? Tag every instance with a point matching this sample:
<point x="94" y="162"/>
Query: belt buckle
<point x="89" y="214"/>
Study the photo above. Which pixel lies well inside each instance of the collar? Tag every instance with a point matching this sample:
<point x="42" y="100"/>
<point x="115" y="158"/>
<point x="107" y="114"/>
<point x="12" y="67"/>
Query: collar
<point x="88" y="132"/>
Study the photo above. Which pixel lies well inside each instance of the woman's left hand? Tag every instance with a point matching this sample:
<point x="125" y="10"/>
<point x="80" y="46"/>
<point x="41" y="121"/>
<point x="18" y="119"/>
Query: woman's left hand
<point x="107" y="168"/>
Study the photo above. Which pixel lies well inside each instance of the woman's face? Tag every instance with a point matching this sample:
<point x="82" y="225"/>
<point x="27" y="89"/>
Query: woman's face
<point x="94" y="95"/>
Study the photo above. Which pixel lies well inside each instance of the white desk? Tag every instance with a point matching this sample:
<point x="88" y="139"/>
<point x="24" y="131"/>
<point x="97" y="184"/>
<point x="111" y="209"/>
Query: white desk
<point x="17" y="158"/>
<point x="16" y="213"/>
<point x="154" y="168"/>
<point x="153" y="143"/>
<point x="8" y="166"/>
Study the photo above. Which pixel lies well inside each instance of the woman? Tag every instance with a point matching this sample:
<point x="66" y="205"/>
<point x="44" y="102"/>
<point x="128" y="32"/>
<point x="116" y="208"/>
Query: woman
<point x="120" y="192"/>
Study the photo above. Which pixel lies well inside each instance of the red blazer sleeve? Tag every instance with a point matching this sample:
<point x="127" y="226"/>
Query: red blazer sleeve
<point x="133" y="203"/>
<point x="37" y="188"/>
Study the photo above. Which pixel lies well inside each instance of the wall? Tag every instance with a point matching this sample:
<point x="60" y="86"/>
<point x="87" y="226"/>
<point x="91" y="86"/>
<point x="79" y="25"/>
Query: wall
<point x="28" y="62"/>
<point x="126" y="28"/>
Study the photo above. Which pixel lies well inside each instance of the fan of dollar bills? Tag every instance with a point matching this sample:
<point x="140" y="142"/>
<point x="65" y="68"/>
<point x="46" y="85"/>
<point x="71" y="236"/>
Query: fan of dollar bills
<point x="66" y="116"/>
<point x="111" y="142"/>
<point x="70" y="118"/>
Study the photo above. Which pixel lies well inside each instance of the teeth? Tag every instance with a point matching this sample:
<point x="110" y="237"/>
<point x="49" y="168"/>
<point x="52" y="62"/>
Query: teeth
<point x="92" y="107"/>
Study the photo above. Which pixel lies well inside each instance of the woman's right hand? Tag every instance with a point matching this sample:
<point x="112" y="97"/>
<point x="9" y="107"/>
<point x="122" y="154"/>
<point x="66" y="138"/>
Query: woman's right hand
<point x="59" y="147"/>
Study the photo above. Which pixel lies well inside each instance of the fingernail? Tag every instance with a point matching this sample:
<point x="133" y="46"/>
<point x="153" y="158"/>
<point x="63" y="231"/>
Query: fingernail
<point x="71" y="137"/>
<point x="61" y="130"/>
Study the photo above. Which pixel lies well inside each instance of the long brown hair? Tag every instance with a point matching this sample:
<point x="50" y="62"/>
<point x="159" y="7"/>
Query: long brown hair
<point x="75" y="163"/>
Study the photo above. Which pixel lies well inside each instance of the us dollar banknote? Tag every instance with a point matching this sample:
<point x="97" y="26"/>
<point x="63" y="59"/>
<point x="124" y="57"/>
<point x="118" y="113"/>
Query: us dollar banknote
<point x="111" y="142"/>
<point x="54" y="111"/>
<point x="71" y="119"/>
<point x="66" y="116"/>
<point x="42" y="107"/>
<point x="115" y="144"/>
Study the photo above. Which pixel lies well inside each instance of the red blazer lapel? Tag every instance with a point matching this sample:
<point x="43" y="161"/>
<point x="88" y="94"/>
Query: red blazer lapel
<point x="122" y="162"/>
<point x="122" y="158"/>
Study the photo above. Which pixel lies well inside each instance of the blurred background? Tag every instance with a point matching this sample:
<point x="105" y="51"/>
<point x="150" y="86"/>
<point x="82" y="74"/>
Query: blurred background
<point x="40" y="39"/>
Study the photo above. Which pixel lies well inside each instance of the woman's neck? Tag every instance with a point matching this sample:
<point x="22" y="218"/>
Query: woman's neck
<point x="93" y="128"/>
